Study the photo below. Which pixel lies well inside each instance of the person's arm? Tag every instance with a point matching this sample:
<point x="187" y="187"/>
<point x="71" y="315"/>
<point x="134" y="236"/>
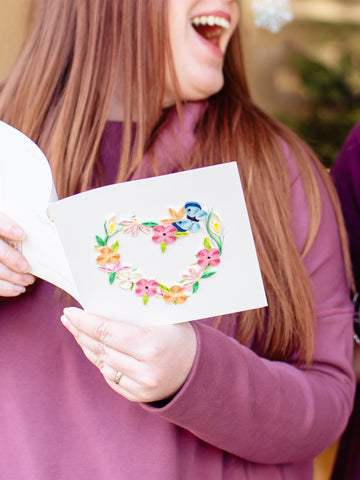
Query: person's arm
<point x="221" y="391"/>
<point x="273" y="412"/>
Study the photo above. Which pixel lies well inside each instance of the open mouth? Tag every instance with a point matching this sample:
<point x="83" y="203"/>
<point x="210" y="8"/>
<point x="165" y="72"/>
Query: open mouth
<point x="210" y="27"/>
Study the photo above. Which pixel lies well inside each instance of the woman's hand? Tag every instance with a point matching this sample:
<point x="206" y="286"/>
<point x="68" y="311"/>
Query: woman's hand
<point x="149" y="364"/>
<point x="13" y="266"/>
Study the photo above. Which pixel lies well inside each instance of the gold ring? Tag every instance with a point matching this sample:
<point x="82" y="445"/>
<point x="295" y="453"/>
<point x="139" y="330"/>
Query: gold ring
<point x="118" y="377"/>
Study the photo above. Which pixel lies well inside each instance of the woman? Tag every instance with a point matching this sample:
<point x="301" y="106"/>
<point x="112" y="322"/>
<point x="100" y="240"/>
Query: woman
<point x="98" y="85"/>
<point x="346" y="175"/>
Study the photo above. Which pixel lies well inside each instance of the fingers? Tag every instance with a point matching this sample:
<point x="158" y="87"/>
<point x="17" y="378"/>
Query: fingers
<point x="110" y="362"/>
<point x="155" y="361"/>
<point x="20" y="279"/>
<point x="110" y="333"/>
<point x="12" y="259"/>
<point x="125" y="386"/>
<point x="101" y="355"/>
<point x="9" y="256"/>
<point x="14" y="268"/>
<point x="10" y="229"/>
<point x="9" y="289"/>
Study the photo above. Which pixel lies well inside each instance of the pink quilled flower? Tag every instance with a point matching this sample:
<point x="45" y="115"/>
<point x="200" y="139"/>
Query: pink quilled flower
<point x="208" y="257"/>
<point x="111" y="268"/>
<point x="133" y="227"/>
<point x="146" y="287"/>
<point x="192" y="277"/>
<point x="164" y="233"/>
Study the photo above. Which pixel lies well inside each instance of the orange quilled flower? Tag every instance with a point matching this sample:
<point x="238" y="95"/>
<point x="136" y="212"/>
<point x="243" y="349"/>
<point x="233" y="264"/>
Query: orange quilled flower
<point x="176" y="295"/>
<point x="107" y="256"/>
<point x="175" y="216"/>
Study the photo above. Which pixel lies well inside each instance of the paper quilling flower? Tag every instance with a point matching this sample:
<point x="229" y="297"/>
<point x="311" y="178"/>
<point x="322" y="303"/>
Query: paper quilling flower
<point x="271" y="14"/>
<point x="164" y="233"/>
<point x="190" y="219"/>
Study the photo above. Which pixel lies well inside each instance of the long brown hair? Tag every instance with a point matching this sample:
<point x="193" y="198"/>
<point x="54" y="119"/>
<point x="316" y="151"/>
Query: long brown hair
<point x="59" y="93"/>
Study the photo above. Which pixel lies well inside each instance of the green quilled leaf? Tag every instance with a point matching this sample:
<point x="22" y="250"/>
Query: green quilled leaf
<point x="208" y="274"/>
<point x="207" y="244"/>
<point x="150" y="224"/>
<point x="115" y="247"/>
<point x="164" y="288"/>
<point x="195" y="287"/>
<point x="145" y="298"/>
<point x="100" y="241"/>
<point x="163" y="247"/>
<point x="112" y="277"/>
<point x="181" y="234"/>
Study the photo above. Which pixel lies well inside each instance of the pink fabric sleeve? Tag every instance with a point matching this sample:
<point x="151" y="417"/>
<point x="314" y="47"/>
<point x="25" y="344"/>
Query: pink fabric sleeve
<point x="269" y="411"/>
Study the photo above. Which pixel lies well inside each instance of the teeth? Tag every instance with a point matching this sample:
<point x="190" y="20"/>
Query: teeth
<point x="211" y="20"/>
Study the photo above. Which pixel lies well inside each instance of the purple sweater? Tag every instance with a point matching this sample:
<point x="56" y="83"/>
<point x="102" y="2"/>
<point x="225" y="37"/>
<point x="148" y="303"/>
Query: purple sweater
<point x="237" y="416"/>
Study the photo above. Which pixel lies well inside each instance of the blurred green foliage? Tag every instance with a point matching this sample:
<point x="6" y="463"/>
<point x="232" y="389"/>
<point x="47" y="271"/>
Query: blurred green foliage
<point x="333" y="107"/>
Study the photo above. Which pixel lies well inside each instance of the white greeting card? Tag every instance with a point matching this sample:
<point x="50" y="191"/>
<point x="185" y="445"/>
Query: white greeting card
<point x="161" y="250"/>
<point x="26" y="189"/>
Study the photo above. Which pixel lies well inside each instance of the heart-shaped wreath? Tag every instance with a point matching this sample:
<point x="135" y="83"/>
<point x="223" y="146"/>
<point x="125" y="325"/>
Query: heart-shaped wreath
<point x="181" y="223"/>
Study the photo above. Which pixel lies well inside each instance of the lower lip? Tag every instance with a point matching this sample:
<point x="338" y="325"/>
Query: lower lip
<point x="213" y="48"/>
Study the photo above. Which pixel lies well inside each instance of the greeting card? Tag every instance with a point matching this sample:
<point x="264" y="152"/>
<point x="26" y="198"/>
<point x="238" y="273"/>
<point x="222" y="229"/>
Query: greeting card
<point x="161" y="250"/>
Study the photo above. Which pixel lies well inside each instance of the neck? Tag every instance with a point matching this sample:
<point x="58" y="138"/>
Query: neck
<point x="116" y="110"/>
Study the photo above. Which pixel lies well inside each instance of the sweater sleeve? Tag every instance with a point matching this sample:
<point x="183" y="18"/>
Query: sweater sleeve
<point x="346" y="176"/>
<point x="269" y="411"/>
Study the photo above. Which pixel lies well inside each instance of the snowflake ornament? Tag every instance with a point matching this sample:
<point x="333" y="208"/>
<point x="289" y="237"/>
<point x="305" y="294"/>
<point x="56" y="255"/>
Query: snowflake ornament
<point x="271" y="14"/>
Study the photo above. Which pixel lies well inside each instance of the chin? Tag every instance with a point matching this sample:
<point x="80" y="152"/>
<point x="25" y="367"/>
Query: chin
<point x="205" y="90"/>
<point x="199" y="90"/>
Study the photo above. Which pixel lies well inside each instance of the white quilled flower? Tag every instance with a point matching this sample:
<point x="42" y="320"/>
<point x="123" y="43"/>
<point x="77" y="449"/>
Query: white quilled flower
<point x="111" y="225"/>
<point x="127" y="276"/>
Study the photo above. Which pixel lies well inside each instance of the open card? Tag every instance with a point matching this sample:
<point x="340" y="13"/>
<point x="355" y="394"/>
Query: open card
<point x="161" y="250"/>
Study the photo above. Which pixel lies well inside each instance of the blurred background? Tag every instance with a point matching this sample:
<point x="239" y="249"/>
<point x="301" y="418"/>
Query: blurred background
<point x="308" y="76"/>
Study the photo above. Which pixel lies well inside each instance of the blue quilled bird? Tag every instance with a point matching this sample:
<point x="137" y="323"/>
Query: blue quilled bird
<point x="190" y="221"/>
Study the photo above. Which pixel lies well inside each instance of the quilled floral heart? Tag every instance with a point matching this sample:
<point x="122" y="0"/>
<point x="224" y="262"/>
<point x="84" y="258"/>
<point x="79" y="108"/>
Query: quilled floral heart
<point x="180" y="224"/>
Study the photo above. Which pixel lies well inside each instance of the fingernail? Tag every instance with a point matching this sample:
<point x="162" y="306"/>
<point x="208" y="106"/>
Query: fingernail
<point x="19" y="289"/>
<point x="65" y="321"/>
<point x="17" y="232"/>
<point x="30" y="279"/>
<point x="69" y="326"/>
<point x="23" y="265"/>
